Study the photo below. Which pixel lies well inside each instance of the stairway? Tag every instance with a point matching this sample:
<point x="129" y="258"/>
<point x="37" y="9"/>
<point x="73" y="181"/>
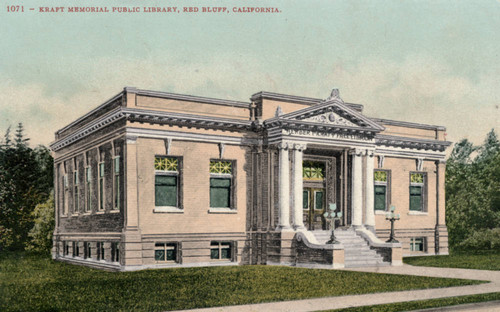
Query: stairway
<point x="357" y="252"/>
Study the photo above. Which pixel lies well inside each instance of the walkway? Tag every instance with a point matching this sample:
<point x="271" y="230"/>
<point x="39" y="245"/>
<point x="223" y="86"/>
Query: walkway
<point x="327" y="303"/>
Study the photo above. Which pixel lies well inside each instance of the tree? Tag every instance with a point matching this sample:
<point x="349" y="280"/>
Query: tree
<point x="25" y="181"/>
<point x="41" y="233"/>
<point x="473" y="193"/>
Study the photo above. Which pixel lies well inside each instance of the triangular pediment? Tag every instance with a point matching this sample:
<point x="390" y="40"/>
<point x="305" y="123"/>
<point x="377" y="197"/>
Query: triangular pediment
<point x="330" y="118"/>
<point x="332" y="113"/>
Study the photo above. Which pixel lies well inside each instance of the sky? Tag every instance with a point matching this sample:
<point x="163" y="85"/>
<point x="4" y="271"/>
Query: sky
<point x="432" y="62"/>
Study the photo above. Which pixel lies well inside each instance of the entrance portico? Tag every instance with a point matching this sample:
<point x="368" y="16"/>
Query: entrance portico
<point x="330" y="133"/>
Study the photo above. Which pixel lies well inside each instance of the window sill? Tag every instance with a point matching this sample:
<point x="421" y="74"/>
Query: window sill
<point x="380" y="212"/>
<point x="64" y="216"/>
<point x="88" y="213"/>
<point x="100" y="212"/>
<point x="418" y="213"/>
<point x="168" y="210"/>
<point x="114" y="211"/>
<point x="222" y="210"/>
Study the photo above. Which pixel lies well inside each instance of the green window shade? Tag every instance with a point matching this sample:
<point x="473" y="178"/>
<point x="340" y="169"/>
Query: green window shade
<point x="318" y="200"/>
<point x="117" y="164"/>
<point x="171" y="255"/>
<point x="225" y="252"/>
<point x="101" y="193"/>
<point x="380" y="196"/>
<point x="416" y="198"/>
<point x="220" y="192"/>
<point x="160" y="255"/>
<point x="117" y="192"/>
<point x="305" y="200"/>
<point x="165" y="190"/>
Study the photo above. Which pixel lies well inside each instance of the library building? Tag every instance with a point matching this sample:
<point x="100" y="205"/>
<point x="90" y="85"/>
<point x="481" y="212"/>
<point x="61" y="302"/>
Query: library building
<point x="154" y="179"/>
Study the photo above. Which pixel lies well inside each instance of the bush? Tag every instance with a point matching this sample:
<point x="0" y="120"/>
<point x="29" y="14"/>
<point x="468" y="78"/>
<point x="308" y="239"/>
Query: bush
<point x="486" y="239"/>
<point x="41" y="233"/>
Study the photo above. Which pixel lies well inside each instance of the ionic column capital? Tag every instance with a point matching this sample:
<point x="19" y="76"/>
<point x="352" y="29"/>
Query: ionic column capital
<point x="299" y="147"/>
<point x="356" y="152"/>
<point x="284" y="146"/>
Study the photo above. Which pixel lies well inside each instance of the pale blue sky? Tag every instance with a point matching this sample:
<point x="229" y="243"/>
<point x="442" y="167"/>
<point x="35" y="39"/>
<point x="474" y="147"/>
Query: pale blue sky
<point x="432" y="62"/>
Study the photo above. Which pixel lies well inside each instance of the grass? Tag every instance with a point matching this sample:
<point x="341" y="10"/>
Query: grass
<point x="480" y="261"/>
<point x="422" y="304"/>
<point x="36" y="283"/>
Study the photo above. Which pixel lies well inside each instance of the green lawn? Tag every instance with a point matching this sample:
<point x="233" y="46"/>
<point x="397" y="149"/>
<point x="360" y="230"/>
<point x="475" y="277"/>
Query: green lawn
<point x="484" y="261"/>
<point x="422" y="304"/>
<point x="36" y="283"/>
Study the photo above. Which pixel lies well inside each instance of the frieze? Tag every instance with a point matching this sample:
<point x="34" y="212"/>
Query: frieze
<point x="331" y="135"/>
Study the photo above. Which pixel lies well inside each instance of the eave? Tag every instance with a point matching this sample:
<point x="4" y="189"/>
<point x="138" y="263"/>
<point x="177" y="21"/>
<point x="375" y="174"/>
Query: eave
<point x="405" y="142"/>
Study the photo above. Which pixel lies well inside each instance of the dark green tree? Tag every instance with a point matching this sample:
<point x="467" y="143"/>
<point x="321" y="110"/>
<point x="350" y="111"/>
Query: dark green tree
<point x="473" y="194"/>
<point x="25" y="181"/>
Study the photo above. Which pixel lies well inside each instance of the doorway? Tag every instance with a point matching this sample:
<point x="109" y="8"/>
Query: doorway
<point x="314" y="207"/>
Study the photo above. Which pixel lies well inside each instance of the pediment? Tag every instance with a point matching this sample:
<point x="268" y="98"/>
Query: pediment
<point x="330" y="118"/>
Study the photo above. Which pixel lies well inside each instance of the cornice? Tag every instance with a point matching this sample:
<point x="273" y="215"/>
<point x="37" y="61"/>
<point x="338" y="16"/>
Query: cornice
<point x="405" y="142"/>
<point x="155" y="117"/>
<point x="111" y="100"/>
<point x="295" y="99"/>
<point x="190" y="98"/>
<point x="408" y="124"/>
<point x="159" y="117"/>
<point x="88" y="129"/>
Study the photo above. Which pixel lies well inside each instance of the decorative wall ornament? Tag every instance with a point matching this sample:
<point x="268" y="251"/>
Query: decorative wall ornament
<point x="420" y="162"/>
<point x="168" y="143"/>
<point x="279" y="112"/>
<point x="331" y="119"/>
<point x="221" y="150"/>
<point x="334" y="95"/>
<point x="381" y="159"/>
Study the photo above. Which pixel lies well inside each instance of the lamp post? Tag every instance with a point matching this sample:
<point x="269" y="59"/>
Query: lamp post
<point x="331" y="216"/>
<point x="391" y="216"/>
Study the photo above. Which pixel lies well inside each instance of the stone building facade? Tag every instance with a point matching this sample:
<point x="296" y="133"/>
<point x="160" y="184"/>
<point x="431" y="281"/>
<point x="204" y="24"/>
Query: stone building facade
<point x="154" y="179"/>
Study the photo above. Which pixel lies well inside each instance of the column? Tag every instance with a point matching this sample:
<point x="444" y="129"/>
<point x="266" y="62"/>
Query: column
<point x="284" y="187"/>
<point x="369" y="194"/>
<point x="357" y="191"/>
<point x="298" y="218"/>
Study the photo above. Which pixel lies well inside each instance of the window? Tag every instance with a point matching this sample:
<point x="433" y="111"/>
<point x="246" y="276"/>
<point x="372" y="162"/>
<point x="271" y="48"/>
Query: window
<point x="221" y="250"/>
<point x="87" y="250"/>
<point x="88" y="186"/>
<point x="116" y="182"/>
<point x="66" y="248"/>
<point x="417" y="189"/>
<point x="221" y="183"/>
<point x="166" y="252"/>
<point x="100" y="250"/>
<point x="65" y="194"/>
<point x="75" y="191"/>
<point x="167" y="182"/>
<point x="381" y="188"/>
<point x="305" y="200"/>
<point x="417" y="244"/>
<point x="313" y="170"/>
<point x="115" y="252"/>
<point x="76" y="250"/>
<point x="101" y="186"/>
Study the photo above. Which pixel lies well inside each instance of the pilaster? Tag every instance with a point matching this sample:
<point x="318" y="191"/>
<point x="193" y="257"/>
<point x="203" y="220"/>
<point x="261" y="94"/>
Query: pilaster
<point x="357" y="191"/>
<point x="369" y="193"/>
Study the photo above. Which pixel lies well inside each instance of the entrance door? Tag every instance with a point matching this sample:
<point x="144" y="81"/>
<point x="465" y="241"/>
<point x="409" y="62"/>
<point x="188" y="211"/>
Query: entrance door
<point x="314" y="207"/>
